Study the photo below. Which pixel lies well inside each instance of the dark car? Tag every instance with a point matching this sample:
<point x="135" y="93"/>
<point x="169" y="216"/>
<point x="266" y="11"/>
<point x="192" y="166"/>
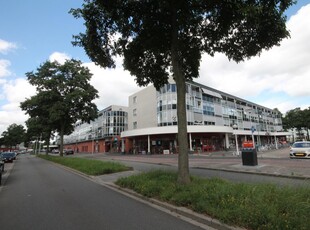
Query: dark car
<point x="68" y="151"/>
<point x="8" y="156"/>
<point x="1" y="168"/>
<point x="1" y="164"/>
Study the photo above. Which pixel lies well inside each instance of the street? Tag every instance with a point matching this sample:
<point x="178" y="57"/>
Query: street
<point x="273" y="167"/>
<point x="40" y="195"/>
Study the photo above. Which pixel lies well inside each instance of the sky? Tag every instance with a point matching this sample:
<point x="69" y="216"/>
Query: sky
<point x="35" y="31"/>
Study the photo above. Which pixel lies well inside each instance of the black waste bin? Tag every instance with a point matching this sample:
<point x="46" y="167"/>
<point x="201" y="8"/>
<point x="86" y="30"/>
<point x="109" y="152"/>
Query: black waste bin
<point x="249" y="157"/>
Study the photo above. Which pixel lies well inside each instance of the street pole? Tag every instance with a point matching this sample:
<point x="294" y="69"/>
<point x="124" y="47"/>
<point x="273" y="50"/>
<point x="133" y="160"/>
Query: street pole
<point x="237" y="147"/>
<point x="236" y="139"/>
<point x="275" y="141"/>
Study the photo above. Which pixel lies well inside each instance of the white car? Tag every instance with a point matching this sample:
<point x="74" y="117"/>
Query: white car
<point x="55" y="151"/>
<point x="300" y="149"/>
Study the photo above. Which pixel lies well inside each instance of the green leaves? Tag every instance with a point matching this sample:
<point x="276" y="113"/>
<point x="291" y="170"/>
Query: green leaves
<point x="299" y="119"/>
<point x="14" y="135"/>
<point x="142" y="31"/>
<point x="64" y="95"/>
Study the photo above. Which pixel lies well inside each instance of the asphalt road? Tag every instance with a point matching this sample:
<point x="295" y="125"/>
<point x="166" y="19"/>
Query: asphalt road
<point x="144" y="164"/>
<point x="40" y="195"/>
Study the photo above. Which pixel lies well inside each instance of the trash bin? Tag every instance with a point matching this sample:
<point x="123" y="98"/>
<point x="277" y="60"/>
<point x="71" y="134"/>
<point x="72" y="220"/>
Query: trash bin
<point x="249" y="157"/>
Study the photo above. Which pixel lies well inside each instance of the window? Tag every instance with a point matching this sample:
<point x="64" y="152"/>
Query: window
<point x="134" y="112"/>
<point x="173" y="88"/>
<point x="134" y="99"/>
<point x="135" y="125"/>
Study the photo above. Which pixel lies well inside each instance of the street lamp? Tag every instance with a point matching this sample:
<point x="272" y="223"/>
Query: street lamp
<point x="235" y="127"/>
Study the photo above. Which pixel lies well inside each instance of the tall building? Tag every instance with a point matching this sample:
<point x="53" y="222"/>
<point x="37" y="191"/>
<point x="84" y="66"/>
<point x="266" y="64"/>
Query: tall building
<point x="215" y="120"/>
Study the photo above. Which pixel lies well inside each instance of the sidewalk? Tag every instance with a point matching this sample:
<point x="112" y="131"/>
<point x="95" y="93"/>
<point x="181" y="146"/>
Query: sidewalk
<point x="273" y="163"/>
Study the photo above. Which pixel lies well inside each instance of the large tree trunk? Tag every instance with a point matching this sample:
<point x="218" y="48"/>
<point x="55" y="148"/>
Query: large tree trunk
<point x="183" y="168"/>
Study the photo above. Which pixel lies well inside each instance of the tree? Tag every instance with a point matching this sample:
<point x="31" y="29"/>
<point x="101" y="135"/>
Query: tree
<point x="295" y="119"/>
<point x="14" y="135"/>
<point x="298" y="119"/>
<point x="159" y="38"/>
<point x="306" y="116"/>
<point x="39" y="126"/>
<point x="63" y="97"/>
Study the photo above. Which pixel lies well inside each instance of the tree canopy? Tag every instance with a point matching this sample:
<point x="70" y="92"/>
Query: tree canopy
<point x="298" y="119"/>
<point x="162" y="38"/>
<point x="14" y="135"/>
<point x="64" y="96"/>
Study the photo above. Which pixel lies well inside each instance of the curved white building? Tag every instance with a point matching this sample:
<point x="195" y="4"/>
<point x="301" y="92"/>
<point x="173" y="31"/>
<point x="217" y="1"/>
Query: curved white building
<point x="215" y="120"/>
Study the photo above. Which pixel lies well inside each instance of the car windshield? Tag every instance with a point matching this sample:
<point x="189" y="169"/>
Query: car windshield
<point x="301" y="145"/>
<point x="7" y="154"/>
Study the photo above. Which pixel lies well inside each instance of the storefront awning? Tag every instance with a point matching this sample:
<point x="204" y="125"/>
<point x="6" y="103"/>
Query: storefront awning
<point x="211" y="93"/>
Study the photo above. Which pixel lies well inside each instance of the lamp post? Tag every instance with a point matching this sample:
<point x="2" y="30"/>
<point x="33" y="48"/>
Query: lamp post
<point x="235" y="127"/>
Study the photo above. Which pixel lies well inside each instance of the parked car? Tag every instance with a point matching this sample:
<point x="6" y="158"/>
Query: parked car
<point x="1" y="168"/>
<point x="8" y="156"/>
<point x="300" y="149"/>
<point x="68" y="151"/>
<point x="1" y="164"/>
<point x="55" y="151"/>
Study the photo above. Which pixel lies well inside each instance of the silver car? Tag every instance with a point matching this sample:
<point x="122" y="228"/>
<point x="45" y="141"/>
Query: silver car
<point x="300" y="149"/>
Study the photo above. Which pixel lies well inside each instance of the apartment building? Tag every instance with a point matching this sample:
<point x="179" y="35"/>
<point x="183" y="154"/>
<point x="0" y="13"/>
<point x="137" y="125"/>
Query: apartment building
<point x="215" y="120"/>
<point x="100" y="135"/>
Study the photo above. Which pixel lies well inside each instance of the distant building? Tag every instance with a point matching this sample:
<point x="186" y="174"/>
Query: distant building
<point x="100" y="135"/>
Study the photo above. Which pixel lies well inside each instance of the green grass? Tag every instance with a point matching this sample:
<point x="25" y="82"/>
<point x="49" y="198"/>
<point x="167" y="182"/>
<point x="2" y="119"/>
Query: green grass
<point x="88" y="166"/>
<point x="261" y="206"/>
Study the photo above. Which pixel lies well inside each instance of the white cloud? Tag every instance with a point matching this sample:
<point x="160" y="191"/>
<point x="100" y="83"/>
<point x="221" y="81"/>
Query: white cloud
<point x="59" y="57"/>
<point x="10" y="117"/>
<point x="14" y="92"/>
<point x="18" y="90"/>
<point x="284" y="69"/>
<point x="4" y="65"/>
<point x="5" y="46"/>
<point x="114" y="85"/>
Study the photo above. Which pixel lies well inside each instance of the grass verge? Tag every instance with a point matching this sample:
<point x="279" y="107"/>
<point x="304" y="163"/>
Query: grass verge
<point x="88" y="166"/>
<point x="261" y="206"/>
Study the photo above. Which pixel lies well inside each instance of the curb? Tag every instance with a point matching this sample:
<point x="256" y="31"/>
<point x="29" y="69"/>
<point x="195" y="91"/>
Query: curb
<point x="256" y="173"/>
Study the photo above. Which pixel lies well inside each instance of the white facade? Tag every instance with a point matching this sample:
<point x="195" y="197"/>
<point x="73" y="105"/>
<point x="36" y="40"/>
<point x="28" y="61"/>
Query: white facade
<point x="142" y="109"/>
<point x="209" y="112"/>
<point x="110" y="122"/>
